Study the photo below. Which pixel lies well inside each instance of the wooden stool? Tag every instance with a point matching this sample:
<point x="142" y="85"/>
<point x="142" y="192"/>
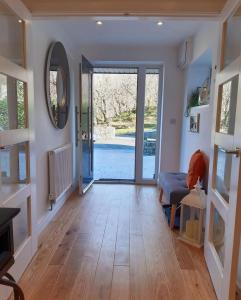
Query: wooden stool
<point x="8" y="280"/>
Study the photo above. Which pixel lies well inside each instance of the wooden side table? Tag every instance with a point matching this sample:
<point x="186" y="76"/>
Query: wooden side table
<point x="7" y="250"/>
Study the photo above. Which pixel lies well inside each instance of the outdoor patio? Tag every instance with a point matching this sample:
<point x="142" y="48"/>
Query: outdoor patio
<point x="117" y="161"/>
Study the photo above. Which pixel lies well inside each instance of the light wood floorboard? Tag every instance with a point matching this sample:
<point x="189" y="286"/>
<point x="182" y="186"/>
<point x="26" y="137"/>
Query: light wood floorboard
<point x="114" y="244"/>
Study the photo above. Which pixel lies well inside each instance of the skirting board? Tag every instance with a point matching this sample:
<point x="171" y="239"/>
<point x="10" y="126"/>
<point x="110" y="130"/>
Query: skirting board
<point x="47" y="218"/>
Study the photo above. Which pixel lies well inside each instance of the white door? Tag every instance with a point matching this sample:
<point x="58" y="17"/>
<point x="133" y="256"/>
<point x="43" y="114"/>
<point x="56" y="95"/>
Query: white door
<point x="16" y="143"/>
<point x="86" y="124"/>
<point x="148" y="135"/>
<point x="222" y="237"/>
<point x="141" y="160"/>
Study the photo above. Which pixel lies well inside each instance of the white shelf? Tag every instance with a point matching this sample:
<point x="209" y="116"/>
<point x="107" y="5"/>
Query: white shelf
<point x="10" y="192"/>
<point x="199" y="107"/>
<point x="13" y="136"/>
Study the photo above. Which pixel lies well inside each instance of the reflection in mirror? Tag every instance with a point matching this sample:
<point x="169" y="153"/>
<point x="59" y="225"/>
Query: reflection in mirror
<point x="227" y="107"/>
<point x="232" y="46"/>
<point x="11" y="37"/>
<point x="13" y="164"/>
<point x="57" y="85"/>
<point x="12" y="103"/>
<point x="57" y="94"/>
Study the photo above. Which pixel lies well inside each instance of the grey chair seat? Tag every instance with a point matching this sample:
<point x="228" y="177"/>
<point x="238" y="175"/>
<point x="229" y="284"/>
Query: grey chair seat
<point x="174" y="186"/>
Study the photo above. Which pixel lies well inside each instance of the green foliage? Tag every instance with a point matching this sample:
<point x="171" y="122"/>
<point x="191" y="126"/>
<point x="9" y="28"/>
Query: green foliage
<point x="125" y="123"/>
<point x="126" y="116"/>
<point x="20" y="110"/>
<point x="193" y="101"/>
<point x="21" y="115"/>
<point x="4" y="118"/>
<point x="3" y="113"/>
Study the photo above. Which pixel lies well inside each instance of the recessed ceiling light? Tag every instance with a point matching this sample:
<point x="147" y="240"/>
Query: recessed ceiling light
<point x="99" y="23"/>
<point x="159" y="23"/>
<point x="20" y="21"/>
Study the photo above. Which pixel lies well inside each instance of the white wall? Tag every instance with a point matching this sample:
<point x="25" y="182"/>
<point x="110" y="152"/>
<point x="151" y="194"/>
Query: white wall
<point x="46" y="136"/>
<point x="204" y="42"/>
<point x="195" y="77"/>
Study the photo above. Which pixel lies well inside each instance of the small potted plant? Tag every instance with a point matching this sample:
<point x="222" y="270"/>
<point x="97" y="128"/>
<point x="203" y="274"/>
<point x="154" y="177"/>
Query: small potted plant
<point x="193" y="101"/>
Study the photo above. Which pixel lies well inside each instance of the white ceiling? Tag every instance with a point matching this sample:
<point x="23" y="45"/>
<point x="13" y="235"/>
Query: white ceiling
<point x="121" y="31"/>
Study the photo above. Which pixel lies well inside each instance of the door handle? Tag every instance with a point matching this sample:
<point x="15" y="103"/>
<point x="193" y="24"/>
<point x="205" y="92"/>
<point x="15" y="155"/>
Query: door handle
<point x="235" y="152"/>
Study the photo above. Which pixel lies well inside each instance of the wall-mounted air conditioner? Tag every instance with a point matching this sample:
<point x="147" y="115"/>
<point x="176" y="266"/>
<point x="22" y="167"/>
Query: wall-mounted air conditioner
<point x="185" y="54"/>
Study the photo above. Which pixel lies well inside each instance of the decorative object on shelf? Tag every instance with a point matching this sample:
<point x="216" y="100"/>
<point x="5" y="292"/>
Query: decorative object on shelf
<point x="57" y="85"/>
<point x="203" y="97"/>
<point x="194" y="123"/>
<point x="204" y="91"/>
<point x="200" y="96"/>
<point x="193" y="102"/>
<point x="192" y="217"/>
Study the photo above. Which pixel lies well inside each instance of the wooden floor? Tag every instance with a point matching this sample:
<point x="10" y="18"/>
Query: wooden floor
<point x="114" y="244"/>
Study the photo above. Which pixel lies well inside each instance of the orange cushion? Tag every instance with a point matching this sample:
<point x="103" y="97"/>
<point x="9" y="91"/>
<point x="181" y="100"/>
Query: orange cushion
<point x="197" y="168"/>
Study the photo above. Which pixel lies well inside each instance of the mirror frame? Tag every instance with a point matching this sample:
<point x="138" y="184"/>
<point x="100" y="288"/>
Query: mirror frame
<point x="57" y="54"/>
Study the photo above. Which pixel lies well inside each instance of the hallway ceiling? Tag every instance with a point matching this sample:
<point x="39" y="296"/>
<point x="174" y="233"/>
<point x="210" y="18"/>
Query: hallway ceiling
<point x="125" y="7"/>
<point x="127" y="31"/>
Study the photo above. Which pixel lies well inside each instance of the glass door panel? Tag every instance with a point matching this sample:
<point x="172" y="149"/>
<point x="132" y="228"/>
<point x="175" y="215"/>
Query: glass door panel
<point x="228" y="102"/>
<point x="218" y="235"/>
<point x="232" y="45"/>
<point x="223" y="206"/>
<point x="126" y="123"/>
<point x="12" y="35"/>
<point x="12" y="103"/>
<point x="115" y="103"/>
<point x="223" y="173"/>
<point x="14" y="163"/>
<point x="150" y="123"/>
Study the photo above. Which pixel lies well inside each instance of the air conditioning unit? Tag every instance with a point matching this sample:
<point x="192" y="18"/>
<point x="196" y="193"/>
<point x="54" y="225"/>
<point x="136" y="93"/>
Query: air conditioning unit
<point x="185" y="54"/>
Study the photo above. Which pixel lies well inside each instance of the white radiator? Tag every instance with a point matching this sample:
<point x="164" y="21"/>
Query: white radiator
<point x="60" y="171"/>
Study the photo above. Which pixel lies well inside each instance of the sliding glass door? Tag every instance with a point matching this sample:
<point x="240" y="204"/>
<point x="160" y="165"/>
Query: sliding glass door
<point x="115" y="100"/>
<point x="151" y="129"/>
<point x="126" y="118"/>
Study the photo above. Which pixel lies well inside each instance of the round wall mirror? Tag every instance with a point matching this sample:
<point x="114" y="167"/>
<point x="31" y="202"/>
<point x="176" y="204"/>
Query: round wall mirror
<point x="57" y="85"/>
